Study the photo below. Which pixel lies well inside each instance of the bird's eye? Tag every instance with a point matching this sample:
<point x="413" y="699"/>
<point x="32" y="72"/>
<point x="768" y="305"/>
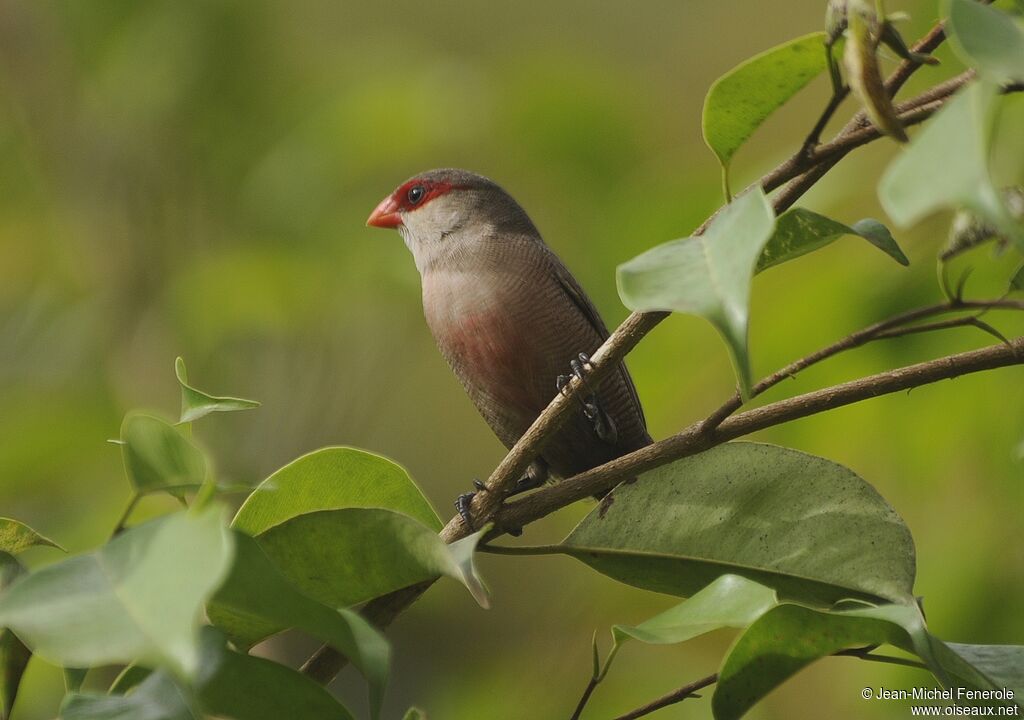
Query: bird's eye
<point x="415" y="194"/>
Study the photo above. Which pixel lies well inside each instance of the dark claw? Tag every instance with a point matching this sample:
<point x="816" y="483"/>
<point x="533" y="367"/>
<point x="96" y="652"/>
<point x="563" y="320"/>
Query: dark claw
<point x="479" y="485"/>
<point x="463" y="503"/>
<point x="561" y="382"/>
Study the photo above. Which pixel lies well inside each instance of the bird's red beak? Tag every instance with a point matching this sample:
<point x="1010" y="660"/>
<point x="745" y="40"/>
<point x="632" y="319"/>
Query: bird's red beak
<point x="385" y="215"/>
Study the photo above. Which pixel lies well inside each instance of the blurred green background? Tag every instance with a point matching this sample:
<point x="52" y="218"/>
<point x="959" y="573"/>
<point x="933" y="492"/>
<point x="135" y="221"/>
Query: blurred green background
<point x="192" y="177"/>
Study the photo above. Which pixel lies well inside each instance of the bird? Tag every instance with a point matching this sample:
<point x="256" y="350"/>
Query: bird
<point x="510" y="319"/>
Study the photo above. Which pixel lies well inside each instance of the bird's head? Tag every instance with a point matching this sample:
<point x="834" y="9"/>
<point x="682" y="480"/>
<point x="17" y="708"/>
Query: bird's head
<point x="446" y="213"/>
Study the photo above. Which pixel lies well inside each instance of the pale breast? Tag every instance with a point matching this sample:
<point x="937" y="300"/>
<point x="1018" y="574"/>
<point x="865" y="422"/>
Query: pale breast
<point x="472" y="317"/>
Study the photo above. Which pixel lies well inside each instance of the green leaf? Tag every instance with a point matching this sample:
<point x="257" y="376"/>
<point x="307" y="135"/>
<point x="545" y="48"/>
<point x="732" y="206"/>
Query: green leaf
<point x="251" y="688"/>
<point x="1002" y="666"/>
<point x="14" y="656"/>
<point x="1017" y="279"/>
<point x="156" y="698"/>
<point x="730" y="601"/>
<point x="987" y="39"/>
<point x="132" y="676"/>
<point x="799" y="231"/>
<point x="138" y="598"/>
<point x="707" y="275"/>
<point x="743" y="98"/>
<point x="256" y="601"/>
<point x="73" y="678"/>
<point x="329" y="479"/>
<point x="16" y="537"/>
<point x="346" y="556"/>
<point x="157" y="457"/>
<point x="414" y="713"/>
<point x="789" y="637"/>
<point x="807" y="527"/>
<point x="783" y="641"/>
<point x="228" y="684"/>
<point x="196" y="404"/>
<point x="946" y="165"/>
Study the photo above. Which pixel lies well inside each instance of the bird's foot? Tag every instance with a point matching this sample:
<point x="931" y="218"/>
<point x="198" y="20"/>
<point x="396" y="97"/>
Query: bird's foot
<point x="464" y="503"/>
<point x="579" y="367"/>
<point x="603" y="424"/>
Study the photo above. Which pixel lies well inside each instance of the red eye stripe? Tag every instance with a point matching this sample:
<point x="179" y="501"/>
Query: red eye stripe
<point x="432" y="189"/>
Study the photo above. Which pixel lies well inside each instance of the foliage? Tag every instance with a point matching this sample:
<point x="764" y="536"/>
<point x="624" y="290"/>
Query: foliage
<point x="799" y="555"/>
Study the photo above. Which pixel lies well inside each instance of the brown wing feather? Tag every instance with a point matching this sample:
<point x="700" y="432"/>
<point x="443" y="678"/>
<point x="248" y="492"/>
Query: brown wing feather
<point x="579" y="297"/>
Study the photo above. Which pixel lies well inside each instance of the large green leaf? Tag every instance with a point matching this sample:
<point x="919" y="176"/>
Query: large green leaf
<point x="807" y="527"/>
<point x="783" y="641"/>
<point x="799" y="231"/>
<point x="158" y="457"/>
<point x="946" y="166"/>
<point x="787" y="638"/>
<point x="16" y="537"/>
<point x="350" y="555"/>
<point x="743" y="98"/>
<point x="14" y="656"/>
<point x="196" y="404"/>
<point x="730" y="601"/>
<point x="256" y="601"/>
<point x="138" y="598"/>
<point x="329" y="479"/>
<point x="987" y="39"/>
<point x="707" y="275"/>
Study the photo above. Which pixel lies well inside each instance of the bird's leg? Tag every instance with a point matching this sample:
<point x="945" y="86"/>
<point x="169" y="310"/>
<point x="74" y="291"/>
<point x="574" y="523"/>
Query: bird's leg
<point x="603" y="424"/>
<point x="535" y="476"/>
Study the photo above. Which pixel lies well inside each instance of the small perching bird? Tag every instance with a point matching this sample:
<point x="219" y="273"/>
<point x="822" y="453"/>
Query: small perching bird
<point x="510" y="319"/>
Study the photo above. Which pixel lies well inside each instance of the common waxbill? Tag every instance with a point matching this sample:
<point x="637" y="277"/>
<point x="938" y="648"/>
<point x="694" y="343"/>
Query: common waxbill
<point x="510" y="319"/>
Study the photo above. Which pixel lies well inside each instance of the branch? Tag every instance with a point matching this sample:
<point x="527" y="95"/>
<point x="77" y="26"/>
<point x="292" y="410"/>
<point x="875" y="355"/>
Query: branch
<point x="696" y="438"/>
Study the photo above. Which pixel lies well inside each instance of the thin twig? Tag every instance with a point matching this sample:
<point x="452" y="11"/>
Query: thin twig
<point x="876" y="331"/>
<point x="587" y="692"/>
<point x="123" y="520"/>
<point x="690" y="690"/>
<point x="686" y="691"/>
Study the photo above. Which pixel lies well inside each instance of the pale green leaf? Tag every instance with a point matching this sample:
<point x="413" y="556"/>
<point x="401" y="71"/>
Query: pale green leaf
<point x="707" y="275"/>
<point x="196" y="404"/>
<point x="730" y="601"/>
<point x="157" y="457"/>
<point x="987" y="39"/>
<point x="946" y="166"/>
<point x="329" y="479"/>
<point x="137" y="598"/>
<point x="156" y="698"/>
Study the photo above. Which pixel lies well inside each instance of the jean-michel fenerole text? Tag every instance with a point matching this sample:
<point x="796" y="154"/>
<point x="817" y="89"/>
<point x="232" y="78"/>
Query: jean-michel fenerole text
<point x="957" y="693"/>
